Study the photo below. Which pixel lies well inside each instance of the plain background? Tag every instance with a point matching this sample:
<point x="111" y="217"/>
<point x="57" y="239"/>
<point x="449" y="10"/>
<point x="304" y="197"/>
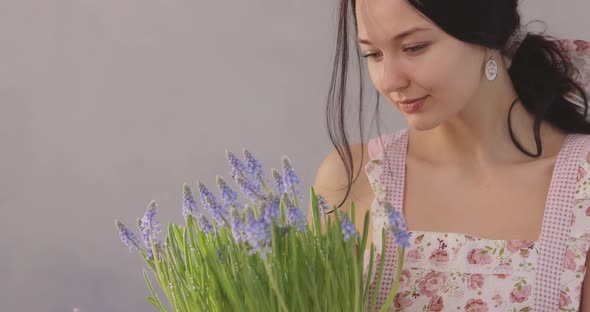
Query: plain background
<point x="106" y="105"/>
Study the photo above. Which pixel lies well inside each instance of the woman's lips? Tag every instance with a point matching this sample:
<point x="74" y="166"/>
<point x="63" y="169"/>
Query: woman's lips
<point x="412" y="107"/>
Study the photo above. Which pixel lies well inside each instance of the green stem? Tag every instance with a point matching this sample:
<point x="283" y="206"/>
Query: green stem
<point x="393" y="292"/>
<point x="377" y="288"/>
<point x="274" y="286"/>
<point x="159" y="275"/>
<point x="294" y="195"/>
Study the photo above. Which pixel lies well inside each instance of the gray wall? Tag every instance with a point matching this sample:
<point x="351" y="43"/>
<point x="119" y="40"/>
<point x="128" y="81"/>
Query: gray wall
<point x="107" y="105"/>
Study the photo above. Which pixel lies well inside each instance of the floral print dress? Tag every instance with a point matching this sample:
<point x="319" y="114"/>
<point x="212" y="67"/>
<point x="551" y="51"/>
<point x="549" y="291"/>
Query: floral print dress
<point x="461" y="272"/>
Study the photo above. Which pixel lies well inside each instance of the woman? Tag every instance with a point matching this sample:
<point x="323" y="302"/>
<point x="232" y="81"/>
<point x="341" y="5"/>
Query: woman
<point x="490" y="173"/>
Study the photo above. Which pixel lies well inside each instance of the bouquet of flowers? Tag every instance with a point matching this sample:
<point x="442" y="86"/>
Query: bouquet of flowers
<point x="261" y="255"/>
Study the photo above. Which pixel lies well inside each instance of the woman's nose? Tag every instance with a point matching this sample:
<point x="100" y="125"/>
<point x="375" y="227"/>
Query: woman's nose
<point x="393" y="76"/>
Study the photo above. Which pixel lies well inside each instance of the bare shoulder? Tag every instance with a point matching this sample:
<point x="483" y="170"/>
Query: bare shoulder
<point x="331" y="178"/>
<point x="332" y="172"/>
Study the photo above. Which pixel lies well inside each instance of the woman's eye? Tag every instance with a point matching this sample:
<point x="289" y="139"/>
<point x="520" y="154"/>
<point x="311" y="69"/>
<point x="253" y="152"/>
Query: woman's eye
<point x="370" y="55"/>
<point x="415" y="49"/>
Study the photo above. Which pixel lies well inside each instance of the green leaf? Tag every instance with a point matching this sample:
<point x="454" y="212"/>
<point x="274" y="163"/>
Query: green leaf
<point x="377" y="288"/>
<point x="154" y="299"/>
<point x="317" y="226"/>
<point x="369" y="275"/>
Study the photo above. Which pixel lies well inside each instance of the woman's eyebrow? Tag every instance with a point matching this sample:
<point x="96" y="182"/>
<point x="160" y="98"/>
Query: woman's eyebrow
<point x="398" y="36"/>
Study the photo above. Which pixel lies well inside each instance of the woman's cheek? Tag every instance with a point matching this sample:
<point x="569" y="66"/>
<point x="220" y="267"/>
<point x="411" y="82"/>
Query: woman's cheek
<point x="375" y="74"/>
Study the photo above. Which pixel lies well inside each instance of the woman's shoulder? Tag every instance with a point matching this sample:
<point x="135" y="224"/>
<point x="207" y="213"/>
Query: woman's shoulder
<point x="332" y="177"/>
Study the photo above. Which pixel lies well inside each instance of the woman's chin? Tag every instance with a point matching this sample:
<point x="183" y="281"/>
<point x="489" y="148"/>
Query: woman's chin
<point x="420" y="123"/>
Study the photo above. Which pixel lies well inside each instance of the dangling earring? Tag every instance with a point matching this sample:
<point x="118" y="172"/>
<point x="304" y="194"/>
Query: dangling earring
<point x="491" y="70"/>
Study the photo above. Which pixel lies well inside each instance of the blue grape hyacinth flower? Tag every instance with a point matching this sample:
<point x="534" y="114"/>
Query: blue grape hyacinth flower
<point x="150" y="228"/>
<point x="258" y="233"/>
<point x="279" y="184"/>
<point x="237" y="167"/>
<point x="237" y="225"/>
<point x="291" y="180"/>
<point x="216" y="210"/>
<point x="249" y="185"/>
<point x="127" y="236"/>
<point x="348" y="229"/>
<point x="249" y="189"/>
<point x="189" y="205"/>
<point x="271" y="210"/>
<point x="255" y="169"/>
<point x="205" y="225"/>
<point x="397" y="225"/>
<point x="295" y="216"/>
<point x="322" y="204"/>
<point x="228" y="196"/>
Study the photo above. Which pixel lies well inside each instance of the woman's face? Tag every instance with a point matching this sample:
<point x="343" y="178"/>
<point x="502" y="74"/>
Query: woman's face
<point x="409" y="57"/>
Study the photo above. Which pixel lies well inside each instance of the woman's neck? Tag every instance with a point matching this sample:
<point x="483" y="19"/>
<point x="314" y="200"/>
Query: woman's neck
<point x="479" y="134"/>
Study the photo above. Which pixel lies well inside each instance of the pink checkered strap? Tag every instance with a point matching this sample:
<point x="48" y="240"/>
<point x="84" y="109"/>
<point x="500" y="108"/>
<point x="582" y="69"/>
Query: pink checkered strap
<point x="556" y="223"/>
<point x="392" y="153"/>
<point x="556" y="219"/>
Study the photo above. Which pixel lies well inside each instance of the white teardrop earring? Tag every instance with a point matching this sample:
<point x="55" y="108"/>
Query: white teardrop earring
<point x="491" y="70"/>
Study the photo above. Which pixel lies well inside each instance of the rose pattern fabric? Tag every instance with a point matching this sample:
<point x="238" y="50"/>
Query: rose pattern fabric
<point x="578" y="51"/>
<point x="460" y="272"/>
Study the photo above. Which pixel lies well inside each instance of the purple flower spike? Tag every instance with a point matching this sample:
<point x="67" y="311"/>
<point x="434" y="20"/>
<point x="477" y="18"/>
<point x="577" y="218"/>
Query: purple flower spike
<point x="236" y="165"/>
<point x="271" y="210"/>
<point x="250" y="190"/>
<point x="189" y="205"/>
<point x="217" y="211"/>
<point x="278" y="181"/>
<point x="322" y="204"/>
<point x="250" y="187"/>
<point x="204" y="194"/>
<point x="398" y="226"/>
<point x="228" y="195"/>
<point x="150" y="227"/>
<point x="395" y="219"/>
<point x="255" y="171"/>
<point x="254" y="167"/>
<point x="295" y="216"/>
<point x="348" y="229"/>
<point x="237" y="226"/>
<point x="204" y="224"/>
<point x="402" y="238"/>
<point x="289" y="177"/>
<point x="258" y="234"/>
<point x="127" y="236"/>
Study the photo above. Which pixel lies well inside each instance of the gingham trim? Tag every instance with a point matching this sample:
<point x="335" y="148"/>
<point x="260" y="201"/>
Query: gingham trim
<point x="392" y="176"/>
<point x="556" y="223"/>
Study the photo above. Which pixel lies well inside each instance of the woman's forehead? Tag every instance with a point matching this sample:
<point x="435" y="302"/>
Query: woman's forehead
<point x="387" y="18"/>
